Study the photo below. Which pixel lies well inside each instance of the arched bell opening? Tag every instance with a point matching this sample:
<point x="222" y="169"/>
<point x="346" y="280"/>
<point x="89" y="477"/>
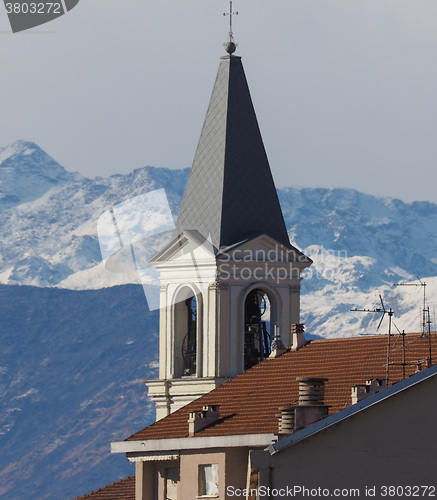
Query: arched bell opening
<point x="257" y="338"/>
<point x="189" y="342"/>
<point x="185" y="334"/>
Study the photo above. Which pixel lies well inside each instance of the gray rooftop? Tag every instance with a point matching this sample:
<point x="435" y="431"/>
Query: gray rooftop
<point x="230" y="193"/>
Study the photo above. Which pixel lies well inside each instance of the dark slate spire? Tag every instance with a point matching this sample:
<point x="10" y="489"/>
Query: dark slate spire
<point x="230" y="193"/>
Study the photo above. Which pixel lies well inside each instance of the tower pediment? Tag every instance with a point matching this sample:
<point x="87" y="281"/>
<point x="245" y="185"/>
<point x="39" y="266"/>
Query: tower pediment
<point x="188" y="246"/>
<point x="266" y="249"/>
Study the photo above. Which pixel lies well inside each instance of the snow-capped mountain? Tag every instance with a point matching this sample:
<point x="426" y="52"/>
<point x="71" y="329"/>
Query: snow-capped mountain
<point x="27" y="173"/>
<point x="52" y="236"/>
<point x="74" y="353"/>
<point x="361" y="244"/>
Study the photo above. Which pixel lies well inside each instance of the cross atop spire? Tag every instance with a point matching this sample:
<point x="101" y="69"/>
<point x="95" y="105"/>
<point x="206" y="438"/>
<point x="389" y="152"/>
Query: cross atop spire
<point x="230" y="46"/>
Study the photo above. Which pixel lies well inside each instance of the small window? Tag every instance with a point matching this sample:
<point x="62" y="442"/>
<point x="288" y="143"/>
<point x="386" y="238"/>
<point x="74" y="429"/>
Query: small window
<point x="208" y="480"/>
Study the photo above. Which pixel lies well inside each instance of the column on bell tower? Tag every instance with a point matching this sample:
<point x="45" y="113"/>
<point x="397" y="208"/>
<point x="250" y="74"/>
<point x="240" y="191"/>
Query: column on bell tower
<point x="188" y="319"/>
<point x="259" y="294"/>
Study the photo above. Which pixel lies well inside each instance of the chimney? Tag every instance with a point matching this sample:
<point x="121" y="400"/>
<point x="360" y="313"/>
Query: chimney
<point x="298" y="337"/>
<point x="198" y="420"/>
<point x="311" y="406"/>
<point x="309" y="409"/>
<point x="360" y="392"/>
<point x="286" y="420"/>
<point x="277" y="347"/>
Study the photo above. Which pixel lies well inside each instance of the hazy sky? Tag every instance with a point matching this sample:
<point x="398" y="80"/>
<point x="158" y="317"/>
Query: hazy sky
<point x="345" y="90"/>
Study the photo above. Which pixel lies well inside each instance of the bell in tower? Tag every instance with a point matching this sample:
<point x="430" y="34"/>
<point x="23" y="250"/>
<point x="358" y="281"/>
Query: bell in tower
<point x="257" y="338"/>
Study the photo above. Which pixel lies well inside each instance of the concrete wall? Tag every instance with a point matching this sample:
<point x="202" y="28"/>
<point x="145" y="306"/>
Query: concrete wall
<point x="391" y="443"/>
<point x="232" y="470"/>
<point x="146" y="481"/>
<point x="160" y="468"/>
<point x="189" y="472"/>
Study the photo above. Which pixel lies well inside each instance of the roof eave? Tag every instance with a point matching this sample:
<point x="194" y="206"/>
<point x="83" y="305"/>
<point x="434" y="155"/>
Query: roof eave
<point x="193" y="443"/>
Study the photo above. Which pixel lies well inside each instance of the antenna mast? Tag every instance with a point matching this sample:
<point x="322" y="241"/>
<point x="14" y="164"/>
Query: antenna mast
<point x="390" y="313"/>
<point x="424" y="309"/>
<point x="426" y="316"/>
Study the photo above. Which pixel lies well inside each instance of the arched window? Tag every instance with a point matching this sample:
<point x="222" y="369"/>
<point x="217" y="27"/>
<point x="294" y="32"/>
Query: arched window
<point x="185" y="333"/>
<point x="189" y="342"/>
<point x="257" y="338"/>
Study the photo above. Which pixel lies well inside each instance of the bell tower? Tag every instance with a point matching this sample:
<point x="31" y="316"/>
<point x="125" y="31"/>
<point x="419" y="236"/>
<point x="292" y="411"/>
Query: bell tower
<point x="230" y="279"/>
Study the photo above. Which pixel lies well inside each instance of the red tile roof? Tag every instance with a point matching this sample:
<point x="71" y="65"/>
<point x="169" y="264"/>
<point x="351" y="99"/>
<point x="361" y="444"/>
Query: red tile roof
<point x="249" y="402"/>
<point x="121" y="490"/>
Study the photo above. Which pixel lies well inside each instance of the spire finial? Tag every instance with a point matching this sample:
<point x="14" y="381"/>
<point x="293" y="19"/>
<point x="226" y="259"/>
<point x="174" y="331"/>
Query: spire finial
<point x="230" y="46"/>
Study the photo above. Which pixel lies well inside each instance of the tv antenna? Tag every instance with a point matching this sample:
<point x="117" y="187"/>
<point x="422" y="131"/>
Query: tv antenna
<point x="389" y="313"/>
<point x="426" y="316"/>
<point x="426" y="320"/>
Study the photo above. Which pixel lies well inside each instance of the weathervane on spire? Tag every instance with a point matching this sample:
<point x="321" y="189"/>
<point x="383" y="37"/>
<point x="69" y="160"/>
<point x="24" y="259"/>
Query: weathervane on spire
<point x="230" y="46"/>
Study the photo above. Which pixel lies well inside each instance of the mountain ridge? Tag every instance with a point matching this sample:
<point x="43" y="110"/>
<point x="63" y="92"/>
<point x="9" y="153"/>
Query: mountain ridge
<point x="72" y="366"/>
<point x="358" y="242"/>
<point x="77" y="340"/>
